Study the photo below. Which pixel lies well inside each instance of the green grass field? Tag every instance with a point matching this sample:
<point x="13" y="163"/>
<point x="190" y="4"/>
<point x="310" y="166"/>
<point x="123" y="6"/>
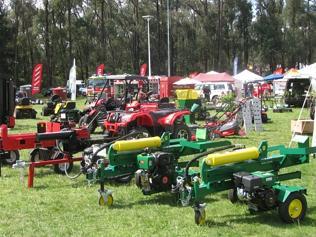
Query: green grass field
<point x="58" y="206"/>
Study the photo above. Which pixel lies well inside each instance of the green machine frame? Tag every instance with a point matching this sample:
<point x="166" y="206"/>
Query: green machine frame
<point x="263" y="169"/>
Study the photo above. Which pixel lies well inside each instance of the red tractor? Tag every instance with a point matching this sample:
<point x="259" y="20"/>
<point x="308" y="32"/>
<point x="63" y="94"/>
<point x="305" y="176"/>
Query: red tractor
<point x="140" y="114"/>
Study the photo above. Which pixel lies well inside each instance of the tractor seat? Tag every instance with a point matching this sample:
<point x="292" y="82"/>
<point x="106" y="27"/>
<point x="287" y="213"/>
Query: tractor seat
<point x="70" y="105"/>
<point x="161" y="113"/>
<point x="166" y="105"/>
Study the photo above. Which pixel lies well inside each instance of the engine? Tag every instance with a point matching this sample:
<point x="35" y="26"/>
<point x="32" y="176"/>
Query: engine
<point x="255" y="189"/>
<point x="156" y="173"/>
<point x="89" y="163"/>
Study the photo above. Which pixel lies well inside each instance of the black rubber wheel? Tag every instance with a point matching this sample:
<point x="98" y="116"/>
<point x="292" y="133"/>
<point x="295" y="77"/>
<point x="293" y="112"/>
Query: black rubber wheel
<point x="199" y="217"/>
<point x="35" y="155"/>
<point x="60" y="168"/>
<point x="232" y="195"/>
<point x="85" y="120"/>
<point x="294" y="208"/>
<point x="264" y="117"/>
<point x="13" y="157"/>
<point x="138" y="180"/>
<point x="45" y="111"/>
<point x="143" y="133"/>
<point x="33" y="114"/>
<point x="182" y="131"/>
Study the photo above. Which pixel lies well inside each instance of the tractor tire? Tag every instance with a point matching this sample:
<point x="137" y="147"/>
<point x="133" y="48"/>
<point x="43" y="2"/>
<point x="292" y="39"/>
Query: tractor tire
<point x="18" y="114"/>
<point x="60" y="168"/>
<point x="182" y="131"/>
<point x="13" y="157"/>
<point x="143" y="133"/>
<point x="35" y="155"/>
<point x="85" y="120"/>
<point x="33" y="114"/>
<point x="45" y="111"/>
<point x="294" y="208"/>
<point x="232" y="195"/>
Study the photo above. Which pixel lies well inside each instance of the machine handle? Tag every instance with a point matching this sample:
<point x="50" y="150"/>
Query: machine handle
<point x="54" y="135"/>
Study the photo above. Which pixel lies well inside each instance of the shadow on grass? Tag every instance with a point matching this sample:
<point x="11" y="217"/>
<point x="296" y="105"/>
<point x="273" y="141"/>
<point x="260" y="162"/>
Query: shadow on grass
<point x="270" y="218"/>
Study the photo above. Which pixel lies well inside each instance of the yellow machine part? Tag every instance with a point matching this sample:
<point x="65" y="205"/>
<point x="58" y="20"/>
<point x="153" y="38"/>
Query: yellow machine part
<point x="131" y="145"/>
<point x="251" y="153"/>
<point x="187" y="94"/>
<point x="58" y="107"/>
<point x="24" y="106"/>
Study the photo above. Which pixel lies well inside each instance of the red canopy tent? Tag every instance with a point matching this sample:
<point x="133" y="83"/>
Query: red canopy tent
<point x="219" y="77"/>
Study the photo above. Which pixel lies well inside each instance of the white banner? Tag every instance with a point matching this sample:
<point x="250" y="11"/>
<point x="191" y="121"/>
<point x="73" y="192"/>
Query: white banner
<point x="72" y="81"/>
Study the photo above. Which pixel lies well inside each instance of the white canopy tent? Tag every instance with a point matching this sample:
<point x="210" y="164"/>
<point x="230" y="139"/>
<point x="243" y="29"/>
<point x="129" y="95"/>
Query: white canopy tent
<point x="247" y="76"/>
<point x="309" y="71"/>
<point x="187" y="81"/>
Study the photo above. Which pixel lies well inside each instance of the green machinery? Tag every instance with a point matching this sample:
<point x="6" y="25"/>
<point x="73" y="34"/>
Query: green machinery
<point x="123" y="159"/>
<point x="251" y="175"/>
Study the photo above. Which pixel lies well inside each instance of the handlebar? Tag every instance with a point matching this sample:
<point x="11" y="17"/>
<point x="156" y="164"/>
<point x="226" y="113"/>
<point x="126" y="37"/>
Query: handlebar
<point x="54" y="135"/>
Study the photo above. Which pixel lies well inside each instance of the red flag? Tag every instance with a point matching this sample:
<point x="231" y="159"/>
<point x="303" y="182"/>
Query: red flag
<point x="143" y="70"/>
<point x="37" y="79"/>
<point x="100" y="69"/>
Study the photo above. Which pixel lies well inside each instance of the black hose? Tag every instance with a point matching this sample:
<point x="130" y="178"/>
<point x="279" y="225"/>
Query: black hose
<point x="186" y="172"/>
<point x="102" y="147"/>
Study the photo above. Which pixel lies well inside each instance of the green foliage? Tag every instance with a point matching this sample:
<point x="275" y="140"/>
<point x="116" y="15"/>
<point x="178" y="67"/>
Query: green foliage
<point x="204" y="36"/>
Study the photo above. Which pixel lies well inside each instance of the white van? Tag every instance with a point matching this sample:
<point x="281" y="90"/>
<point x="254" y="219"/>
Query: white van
<point x="217" y="89"/>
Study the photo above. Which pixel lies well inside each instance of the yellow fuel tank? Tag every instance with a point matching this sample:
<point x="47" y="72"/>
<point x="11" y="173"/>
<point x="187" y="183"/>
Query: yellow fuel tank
<point x="250" y="153"/>
<point x="131" y="145"/>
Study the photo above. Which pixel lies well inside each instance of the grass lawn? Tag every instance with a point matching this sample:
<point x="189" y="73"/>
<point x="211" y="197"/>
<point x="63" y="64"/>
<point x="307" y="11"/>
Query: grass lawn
<point x="58" y="206"/>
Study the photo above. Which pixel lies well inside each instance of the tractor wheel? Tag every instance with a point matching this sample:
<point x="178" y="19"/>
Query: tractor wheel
<point x="182" y="131"/>
<point x="33" y="114"/>
<point x="63" y="167"/>
<point x="232" y="195"/>
<point x="45" y="111"/>
<point x="294" y="208"/>
<point x="35" y="156"/>
<point x="138" y="179"/>
<point x="108" y="202"/>
<point x="199" y="216"/>
<point x="85" y="120"/>
<point x="143" y="133"/>
<point x="18" y="114"/>
<point x="13" y="157"/>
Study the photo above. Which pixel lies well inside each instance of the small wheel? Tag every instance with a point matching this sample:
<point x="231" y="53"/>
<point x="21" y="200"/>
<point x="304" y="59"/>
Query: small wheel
<point x="232" y="195"/>
<point x="85" y="120"/>
<point x="13" y="157"/>
<point x="182" y="131"/>
<point x="142" y="133"/>
<point x="199" y="216"/>
<point x="138" y="180"/>
<point x="35" y="156"/>
<point x="294" y="208"/>
<point x="61" y="168"/>
<point x="108" y="202"/>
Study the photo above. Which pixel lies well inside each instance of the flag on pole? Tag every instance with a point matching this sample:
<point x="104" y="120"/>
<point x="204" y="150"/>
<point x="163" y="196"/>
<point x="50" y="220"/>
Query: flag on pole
<point x="143" y="70"/>
<point x="72" y="80"/>
<point x="100" y="69"/>
<point x="37" y="79"/>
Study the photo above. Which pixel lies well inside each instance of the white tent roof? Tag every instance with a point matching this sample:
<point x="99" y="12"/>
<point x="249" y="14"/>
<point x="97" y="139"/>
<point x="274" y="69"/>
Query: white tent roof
<point x="212" y="72"/>
<point x="187" y="81"/>
<point x="247" y="76"/>
<point x="309" y="71"/>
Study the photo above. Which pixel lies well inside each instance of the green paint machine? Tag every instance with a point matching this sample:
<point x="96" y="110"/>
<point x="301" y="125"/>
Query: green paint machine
<point x="253" y="176"/>
<point x="160" y="155"/>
